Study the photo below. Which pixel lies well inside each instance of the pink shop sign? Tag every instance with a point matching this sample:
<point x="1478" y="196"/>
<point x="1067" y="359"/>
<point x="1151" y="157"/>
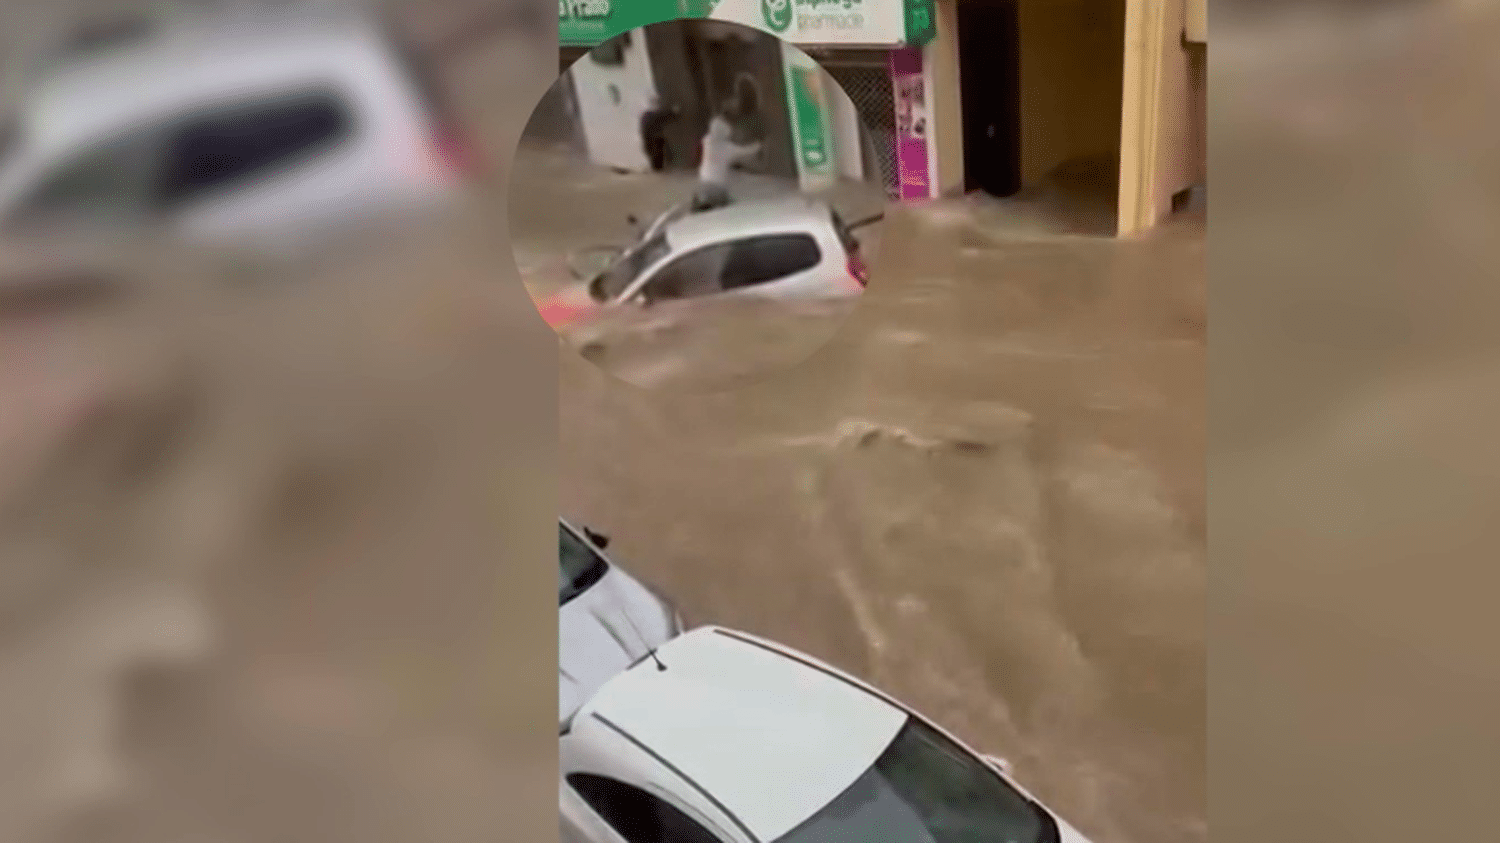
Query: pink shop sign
<point x="912" y="124"/>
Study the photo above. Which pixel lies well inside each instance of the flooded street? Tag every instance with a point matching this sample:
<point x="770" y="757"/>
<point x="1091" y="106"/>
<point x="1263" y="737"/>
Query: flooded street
<point x="281" y="523"/>
<point x="985" y="495"/>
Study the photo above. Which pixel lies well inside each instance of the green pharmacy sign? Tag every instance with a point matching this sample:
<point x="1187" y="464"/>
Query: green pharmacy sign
<point x="809" y="118"/>
<point x="777" y="14"/>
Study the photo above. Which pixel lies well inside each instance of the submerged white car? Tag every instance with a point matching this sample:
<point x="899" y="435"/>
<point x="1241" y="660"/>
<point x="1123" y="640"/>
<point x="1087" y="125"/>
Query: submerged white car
<point x="607" y="619"/>
<point x="723" y="737"/>
<point x="770" y="248"/>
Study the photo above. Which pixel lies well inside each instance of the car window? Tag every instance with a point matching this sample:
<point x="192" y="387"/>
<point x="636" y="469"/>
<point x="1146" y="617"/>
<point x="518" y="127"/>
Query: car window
<point x="758" y="260"/>
<point x="108" y="184"/>
<point x="617" y="278"/>
<point x="578" y="566"/>
<point x="231" y="145"/>
<point x="636" y="815"/>
<point x="697" y="273"/>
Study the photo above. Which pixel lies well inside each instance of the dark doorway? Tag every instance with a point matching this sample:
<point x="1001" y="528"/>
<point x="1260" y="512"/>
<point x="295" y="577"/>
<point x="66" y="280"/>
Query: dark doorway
<point x="989" y="64"/>
<point x="680" y="86"/>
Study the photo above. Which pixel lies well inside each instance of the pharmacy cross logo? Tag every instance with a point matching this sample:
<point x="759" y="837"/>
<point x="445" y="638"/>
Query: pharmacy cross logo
<point x="778" y="14"/>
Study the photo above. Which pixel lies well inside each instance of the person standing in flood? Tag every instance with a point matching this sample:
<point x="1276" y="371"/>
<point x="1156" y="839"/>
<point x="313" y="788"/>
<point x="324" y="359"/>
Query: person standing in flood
<point x="720" y="153"/>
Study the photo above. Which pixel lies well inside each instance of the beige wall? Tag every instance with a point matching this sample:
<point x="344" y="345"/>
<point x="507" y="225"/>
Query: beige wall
<point x="1071" y="71"/>
<point x="1197" y="21"/>
<point x="940" y="62"/>
<point x="1176" y="150"/>
<point x="1163" y="139"/>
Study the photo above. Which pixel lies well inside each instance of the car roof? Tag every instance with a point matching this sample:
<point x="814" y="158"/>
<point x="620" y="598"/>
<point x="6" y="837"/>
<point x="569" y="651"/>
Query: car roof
<point x="769" y="735"/>
<point x="748" y="218"/>
<point x="192" y="61"/>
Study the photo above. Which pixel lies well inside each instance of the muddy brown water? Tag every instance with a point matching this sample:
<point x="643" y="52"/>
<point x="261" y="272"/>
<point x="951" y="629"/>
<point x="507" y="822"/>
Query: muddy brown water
<point x="984" y="494"/>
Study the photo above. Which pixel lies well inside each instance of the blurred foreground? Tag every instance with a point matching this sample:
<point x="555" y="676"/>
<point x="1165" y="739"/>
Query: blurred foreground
<point x="261" y="569"/>
<point x="261" y="580"/>
<point x="1353" y="465"/>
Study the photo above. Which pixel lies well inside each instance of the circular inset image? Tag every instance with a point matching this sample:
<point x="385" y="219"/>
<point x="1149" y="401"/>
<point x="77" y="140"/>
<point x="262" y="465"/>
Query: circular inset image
<point x="692" y="205"/>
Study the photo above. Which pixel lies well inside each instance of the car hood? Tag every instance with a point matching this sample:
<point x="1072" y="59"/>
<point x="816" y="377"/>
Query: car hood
<point x="604" y="631"/>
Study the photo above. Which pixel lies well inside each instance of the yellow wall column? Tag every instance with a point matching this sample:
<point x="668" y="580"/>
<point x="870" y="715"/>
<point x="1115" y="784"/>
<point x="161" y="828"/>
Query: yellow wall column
<point x="946" y="134"/>
<point x="1161" y="126"/>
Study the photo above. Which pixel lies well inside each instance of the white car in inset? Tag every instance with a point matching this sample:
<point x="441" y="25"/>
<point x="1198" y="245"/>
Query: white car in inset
<point x="723" y="737"/>
<point x="607" y="619"/>
<point x="784" y="248"/>
<point x="265" y="121"/>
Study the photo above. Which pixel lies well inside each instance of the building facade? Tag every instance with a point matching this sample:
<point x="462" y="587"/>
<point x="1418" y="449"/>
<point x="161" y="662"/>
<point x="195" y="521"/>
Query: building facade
<point x="854" y="43"/>
<point x="1025" y="89"/>
<point x="958" y="95"/>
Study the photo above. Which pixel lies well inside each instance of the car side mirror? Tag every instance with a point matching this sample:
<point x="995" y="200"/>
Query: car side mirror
<point x="600" y="540"/>
<point x="1000" y="764"/>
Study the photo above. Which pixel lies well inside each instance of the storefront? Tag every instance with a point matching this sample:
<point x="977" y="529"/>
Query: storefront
<point x="872" y="48"/>
<point x="1072" y="107"/>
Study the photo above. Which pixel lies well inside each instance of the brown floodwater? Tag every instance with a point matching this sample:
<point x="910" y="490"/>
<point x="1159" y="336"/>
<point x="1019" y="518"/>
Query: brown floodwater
<point x="985" y="494"/>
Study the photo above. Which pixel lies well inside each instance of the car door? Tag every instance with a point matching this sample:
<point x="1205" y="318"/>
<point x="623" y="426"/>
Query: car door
<point x="786" y="264"/>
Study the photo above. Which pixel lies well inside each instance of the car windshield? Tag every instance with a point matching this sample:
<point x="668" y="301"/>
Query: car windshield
<point x="579" y="567"/>
<point x="613" y="281"/>
<point x="926" y="789"/>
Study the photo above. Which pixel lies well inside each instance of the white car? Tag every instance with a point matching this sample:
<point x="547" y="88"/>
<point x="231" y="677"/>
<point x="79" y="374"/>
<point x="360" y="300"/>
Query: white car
<point x="777" y="248"/>
<point x="724" y="737"/>
<point x="607" y="619"/>
<point x="266" y="121"/>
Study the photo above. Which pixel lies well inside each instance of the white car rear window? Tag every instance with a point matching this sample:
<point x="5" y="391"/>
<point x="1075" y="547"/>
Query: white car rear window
<point x="236" y="143"/>
<point x="758" y="260"/>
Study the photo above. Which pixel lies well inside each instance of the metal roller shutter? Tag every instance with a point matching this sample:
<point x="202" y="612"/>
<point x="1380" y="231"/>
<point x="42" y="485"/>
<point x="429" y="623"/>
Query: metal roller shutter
<point x="865" y="76"/>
